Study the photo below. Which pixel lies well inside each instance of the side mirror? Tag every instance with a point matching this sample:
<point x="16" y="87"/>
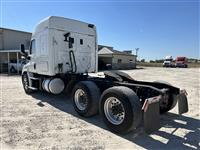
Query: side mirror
<point x="23" y="49"/>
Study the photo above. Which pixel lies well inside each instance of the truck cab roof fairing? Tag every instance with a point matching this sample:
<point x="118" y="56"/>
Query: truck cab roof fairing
<point x="61" y="23"/>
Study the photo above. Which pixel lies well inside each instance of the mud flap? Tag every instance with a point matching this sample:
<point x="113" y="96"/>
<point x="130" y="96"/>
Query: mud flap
<point x="151" y="116"/>
<point x="182" y="103"/>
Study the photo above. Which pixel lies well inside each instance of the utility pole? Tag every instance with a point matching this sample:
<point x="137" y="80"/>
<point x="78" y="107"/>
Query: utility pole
<point x="136" y="49"/>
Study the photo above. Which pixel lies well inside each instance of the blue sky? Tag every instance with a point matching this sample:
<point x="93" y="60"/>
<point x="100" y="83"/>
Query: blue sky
<point x="158" y="28"/>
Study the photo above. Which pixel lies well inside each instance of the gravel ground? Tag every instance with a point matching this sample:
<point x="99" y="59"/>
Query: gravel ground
<point x="45" y="121"/>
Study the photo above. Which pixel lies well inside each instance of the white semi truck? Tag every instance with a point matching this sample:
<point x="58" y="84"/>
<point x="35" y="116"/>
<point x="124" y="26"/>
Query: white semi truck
<point x="168" y="62"/>
<point x="62" y="54"/>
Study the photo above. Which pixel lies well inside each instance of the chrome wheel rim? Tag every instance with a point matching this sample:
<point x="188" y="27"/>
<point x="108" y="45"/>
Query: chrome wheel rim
<point x="80" y="99"/>
<point x="25" y="81"/>
<point x="114" y="110"/>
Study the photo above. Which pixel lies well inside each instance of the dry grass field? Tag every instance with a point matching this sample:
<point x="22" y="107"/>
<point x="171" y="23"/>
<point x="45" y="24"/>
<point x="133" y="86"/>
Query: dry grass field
<point x="147" y="64"/>
<point x="45" y="121"/>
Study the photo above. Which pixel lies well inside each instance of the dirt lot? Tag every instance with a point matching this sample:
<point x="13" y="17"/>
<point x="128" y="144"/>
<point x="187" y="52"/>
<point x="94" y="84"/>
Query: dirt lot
<point x="44" y="121"/>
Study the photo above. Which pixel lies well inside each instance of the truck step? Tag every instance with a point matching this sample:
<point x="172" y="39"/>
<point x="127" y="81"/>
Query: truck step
<point x="33" y="78"/>
<point x="32" y="88"/>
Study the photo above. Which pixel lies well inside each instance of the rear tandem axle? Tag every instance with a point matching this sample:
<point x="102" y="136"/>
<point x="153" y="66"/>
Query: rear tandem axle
<point x="123" y="102"/>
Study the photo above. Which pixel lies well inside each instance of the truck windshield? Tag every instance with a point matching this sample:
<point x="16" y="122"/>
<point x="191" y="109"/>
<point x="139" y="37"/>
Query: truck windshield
<point x="168" y="59"/>
<point x="180" y="59"/>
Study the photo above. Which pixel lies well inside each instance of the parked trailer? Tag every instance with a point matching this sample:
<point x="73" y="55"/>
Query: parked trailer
<point x="62" y="54"/>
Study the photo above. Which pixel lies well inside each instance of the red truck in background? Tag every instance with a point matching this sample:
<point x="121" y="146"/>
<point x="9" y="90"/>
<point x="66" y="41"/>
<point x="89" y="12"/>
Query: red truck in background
<point x="181" y="62"/>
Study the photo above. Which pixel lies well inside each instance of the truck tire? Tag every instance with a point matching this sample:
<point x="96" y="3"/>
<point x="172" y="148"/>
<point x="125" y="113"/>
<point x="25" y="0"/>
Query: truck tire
<point x="165" y="107"/>
<point x="120" y="109"/>
<point x="86" y="97"/>
<point x="69" y="86"/>
<point x="25" y="83"/>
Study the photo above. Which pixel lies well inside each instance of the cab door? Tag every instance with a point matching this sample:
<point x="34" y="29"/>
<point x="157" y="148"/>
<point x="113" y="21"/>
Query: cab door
<point x="32" y="55"/>
<point x="85" y="53"/>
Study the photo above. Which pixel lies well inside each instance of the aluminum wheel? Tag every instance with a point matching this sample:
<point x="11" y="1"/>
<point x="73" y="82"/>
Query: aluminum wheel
<point x="114" y="110"/>
<point x="80" y="99"/>
<point x="25" y="81"/>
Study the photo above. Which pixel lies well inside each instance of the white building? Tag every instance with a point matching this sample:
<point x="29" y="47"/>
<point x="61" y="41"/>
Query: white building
<point x="117" y="59"/>
<point x="10" y="41"/>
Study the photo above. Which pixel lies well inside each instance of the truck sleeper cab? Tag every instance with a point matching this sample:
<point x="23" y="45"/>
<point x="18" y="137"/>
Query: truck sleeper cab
<point x="62" y="54"/>
<point x="54" y="43"/>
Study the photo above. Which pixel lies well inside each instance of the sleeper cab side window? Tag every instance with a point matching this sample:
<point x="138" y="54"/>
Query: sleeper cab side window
<point x="32" y="48"/>
<point x="81" y="41"/>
